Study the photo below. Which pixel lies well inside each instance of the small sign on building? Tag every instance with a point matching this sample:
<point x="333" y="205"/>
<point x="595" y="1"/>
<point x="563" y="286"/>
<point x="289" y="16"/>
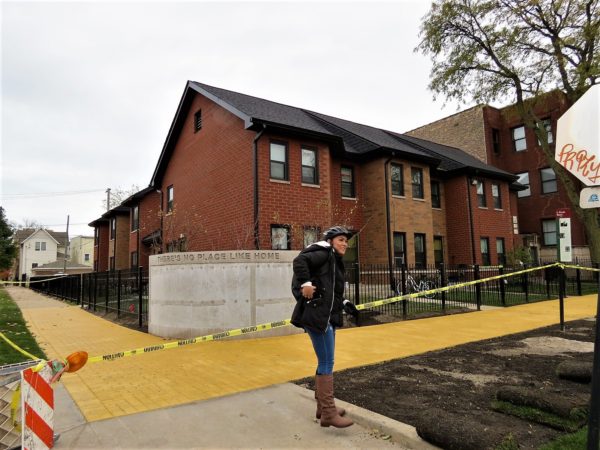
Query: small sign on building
<point x="563" y="234"/>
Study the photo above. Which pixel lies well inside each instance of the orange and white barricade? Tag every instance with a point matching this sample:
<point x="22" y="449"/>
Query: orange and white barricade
<point x="37" y="409"/>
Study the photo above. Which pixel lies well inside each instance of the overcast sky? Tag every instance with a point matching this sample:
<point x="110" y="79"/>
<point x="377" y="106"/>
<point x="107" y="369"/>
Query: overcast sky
<point x="89" y="89"/>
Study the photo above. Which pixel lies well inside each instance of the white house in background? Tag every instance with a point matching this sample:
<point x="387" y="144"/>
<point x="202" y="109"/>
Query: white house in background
<point x="82" y="250"/>
<point x="37" y="249"/>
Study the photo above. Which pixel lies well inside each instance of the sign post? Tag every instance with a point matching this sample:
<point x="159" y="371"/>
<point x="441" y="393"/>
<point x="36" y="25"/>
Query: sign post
<point x="578" y="151"/>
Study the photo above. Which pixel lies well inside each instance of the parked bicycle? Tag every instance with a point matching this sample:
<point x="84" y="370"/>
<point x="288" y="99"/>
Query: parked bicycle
<point x="413" y="286"/>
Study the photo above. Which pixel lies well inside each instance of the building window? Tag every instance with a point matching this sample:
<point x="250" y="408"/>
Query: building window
<point x="86" y="257"/>
<point x="96" y="236"/>
<point x="170" y="198"/>
<point x="524" y="180"/>
<point x="496" y="140"/>
<point x="134" y="260"/>
<point x="484" y="243"/>
<point x="547" y="124"/>
<point x="279" y="161"/>
<point x="497" y="196"/>
<point x="280" y="237"/>
<point x="549" y="231"/>
<point x="197" y="121"/>
<point x="416" y="176"/>
<point x="310" y="173"/>
<point x="348" y="182"/>
<point x="518" y="136"/>
<point x="438" y="250"/>
<point x="397" y="180"/>
<point x="113" y="227"/>
<point x="34" y="265"/>
<point x="311" y="235"/>
<point x="135" y="218"/>
<point x="548" y="178"/>
<point x="399" y="248"/>
<point x="420" y="251"/>
<point x="500" y="251"/>
<point x="112" y="263"/>
<point x="40" y="246"/>
<point x="481" y="200"/>
<point x="436" y="198"/>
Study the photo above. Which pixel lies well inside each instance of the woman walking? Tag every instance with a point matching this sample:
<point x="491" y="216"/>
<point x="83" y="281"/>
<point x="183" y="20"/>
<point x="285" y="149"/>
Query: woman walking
<point x="318" y="286"/>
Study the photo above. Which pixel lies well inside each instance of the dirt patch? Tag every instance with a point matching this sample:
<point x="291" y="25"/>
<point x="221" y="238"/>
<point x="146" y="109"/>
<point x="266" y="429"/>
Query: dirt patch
<point x="448" y="394"/>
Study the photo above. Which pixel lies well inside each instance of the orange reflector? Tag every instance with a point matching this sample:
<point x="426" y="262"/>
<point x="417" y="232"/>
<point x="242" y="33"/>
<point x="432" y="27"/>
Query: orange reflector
<point x="76" y="361"/>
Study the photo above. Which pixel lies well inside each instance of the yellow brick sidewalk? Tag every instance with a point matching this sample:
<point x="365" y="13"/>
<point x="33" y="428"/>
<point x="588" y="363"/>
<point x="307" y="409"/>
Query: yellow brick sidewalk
<point x="212" y="369"/>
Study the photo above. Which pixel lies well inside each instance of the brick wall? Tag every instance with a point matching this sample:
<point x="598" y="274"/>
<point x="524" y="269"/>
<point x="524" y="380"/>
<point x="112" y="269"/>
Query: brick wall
<point x="149" y="221"/>
<point x="487" y="222"/>
<point x="464" y="130"/>
<point x="121" y="243"/>
<point x="101" y="250"/>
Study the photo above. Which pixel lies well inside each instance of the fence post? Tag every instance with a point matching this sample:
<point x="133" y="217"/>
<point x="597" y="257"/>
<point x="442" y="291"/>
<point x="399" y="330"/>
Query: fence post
<point x="546" y="275"/>
<point x="108" y="272"/>
<point x="526" y="285"/>
<point x="561" y="297"/>
<point x="95" y="290"/>
<point x="578" y="275"/>
<point x="140" y="296"/>
<point x="443" y="284"/>
<point x="502" y="286"/>
<point x="405" y="301"/>
<point x="118" y="294"/>
<point x="357" y="290"/>
<point x="477" y="286"/>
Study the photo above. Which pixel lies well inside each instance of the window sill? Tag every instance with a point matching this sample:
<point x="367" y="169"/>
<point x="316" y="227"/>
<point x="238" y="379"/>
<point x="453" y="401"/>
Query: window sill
<point x="403" y="197"/>
<point x="482" y="207"/>
<point x="348" y="198"/>
<point x="436" y="208"/>
<point x="272" y="180"/>
<point x="498" y="209"/>
<point x="419" y="199"/>
<point x="316" y="186"/>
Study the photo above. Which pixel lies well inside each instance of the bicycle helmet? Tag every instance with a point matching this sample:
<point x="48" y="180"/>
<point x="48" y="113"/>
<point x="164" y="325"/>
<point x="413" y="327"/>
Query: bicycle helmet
<point x="336" y="231"/>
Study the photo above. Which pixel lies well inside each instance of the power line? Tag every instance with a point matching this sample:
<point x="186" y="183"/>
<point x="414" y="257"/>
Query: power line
<point x="49" y="194"/>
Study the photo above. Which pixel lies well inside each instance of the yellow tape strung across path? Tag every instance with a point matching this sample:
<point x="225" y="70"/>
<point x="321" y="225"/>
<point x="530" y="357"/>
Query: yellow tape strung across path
<point x="287" y="322"/>
<point x="17" y="348"/>
<point x="27" y="283"/>
<point x="283" y="323"/>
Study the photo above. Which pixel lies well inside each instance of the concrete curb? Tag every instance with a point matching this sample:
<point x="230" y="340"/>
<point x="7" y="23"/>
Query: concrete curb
<point x="401" y="433"/>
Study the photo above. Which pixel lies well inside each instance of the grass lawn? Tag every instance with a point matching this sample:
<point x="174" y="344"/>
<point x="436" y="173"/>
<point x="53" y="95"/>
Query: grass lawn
<point x="12" y="325"/>
<point x="574" y="441"/>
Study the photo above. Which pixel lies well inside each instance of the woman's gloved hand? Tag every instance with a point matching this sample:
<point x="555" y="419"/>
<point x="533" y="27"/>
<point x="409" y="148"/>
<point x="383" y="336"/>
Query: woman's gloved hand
<point x="350" y="308"/>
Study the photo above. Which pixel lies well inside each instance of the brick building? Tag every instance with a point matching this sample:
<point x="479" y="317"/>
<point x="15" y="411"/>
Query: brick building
<point x="498" y="137"/>
<point x="111" y="240"/>
<point x="240" y="172"/>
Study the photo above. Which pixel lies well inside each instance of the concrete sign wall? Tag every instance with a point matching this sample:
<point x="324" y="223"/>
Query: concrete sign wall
<point x="198" y="293"/>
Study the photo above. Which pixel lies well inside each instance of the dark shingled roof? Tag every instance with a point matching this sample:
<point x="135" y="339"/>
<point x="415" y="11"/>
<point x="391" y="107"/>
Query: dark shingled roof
<point x="350" y="137"/>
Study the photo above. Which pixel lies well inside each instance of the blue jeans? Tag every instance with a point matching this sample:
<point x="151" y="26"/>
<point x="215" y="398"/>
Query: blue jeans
<point x="324" y="345"/>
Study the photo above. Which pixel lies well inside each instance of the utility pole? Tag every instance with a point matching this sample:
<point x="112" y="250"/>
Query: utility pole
<point x="108" y="199"/>
<point x="66" y="246"/>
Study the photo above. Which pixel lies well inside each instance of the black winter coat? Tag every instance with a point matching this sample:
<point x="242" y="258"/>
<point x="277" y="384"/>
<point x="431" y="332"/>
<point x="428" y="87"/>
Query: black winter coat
<point x="319" y="264"/>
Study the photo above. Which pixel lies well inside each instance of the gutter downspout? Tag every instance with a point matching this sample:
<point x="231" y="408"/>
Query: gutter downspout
<point x="388" y="220"/>
<point x="162" y="216"/>
<point x="471" y="220"/>
<point x="255" y="167"/>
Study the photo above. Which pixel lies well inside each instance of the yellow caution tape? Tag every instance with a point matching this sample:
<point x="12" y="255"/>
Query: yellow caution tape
<point x="14" y="404"/>
<point x="568" y="266"/>
<point x="196" y="340"/>
<point x="27" y="283"/>
<point x="17" y="348"/>
<point x="387" y="301"/>
<point x="282" y="323"/>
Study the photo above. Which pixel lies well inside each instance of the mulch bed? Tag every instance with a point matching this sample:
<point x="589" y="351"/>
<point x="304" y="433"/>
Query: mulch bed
<point x="449" y="395"/>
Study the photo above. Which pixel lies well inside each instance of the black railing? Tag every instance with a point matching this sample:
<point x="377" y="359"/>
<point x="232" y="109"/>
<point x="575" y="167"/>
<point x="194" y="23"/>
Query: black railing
<point x="367" y="283"/>
<point x="123" y="292"/>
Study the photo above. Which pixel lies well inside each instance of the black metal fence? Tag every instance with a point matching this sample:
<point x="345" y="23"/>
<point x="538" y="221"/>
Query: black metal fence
<point x="123" y="292"/>
<point x="367" y="283"/>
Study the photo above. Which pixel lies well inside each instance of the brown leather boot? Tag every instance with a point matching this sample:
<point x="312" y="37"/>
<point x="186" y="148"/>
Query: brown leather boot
<point x="329" y="414"/>
<point x="340" y="411"/>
